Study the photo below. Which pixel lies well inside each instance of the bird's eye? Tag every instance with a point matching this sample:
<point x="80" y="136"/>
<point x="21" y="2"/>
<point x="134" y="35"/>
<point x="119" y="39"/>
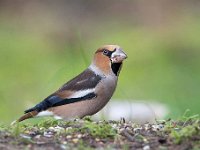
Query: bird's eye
<point x="105" y="52"/>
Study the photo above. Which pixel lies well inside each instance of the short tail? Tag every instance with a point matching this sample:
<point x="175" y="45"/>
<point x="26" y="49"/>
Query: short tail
<point x="32" y="112"/>
<point x="25" y="116"/>
<point x="28" y="115"/>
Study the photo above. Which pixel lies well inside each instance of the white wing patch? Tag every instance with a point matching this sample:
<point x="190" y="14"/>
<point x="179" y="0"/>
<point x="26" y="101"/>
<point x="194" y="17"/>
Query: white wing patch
<point x="45" y="113"/>
<point x="81" y="93"/>
<point x="48" y="113"/>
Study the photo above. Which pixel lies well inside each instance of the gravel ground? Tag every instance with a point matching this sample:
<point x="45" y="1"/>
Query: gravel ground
<point x="87" y="134"/>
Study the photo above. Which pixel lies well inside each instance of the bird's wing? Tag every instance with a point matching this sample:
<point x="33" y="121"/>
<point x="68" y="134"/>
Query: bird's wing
<point x="86" y="80"/>
<point x="78" y="89"/>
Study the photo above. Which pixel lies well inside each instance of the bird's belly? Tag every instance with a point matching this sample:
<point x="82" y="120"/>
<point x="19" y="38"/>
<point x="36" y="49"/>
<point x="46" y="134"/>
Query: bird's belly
<point x="104" y="91"/>
<point x="80" y="109"/>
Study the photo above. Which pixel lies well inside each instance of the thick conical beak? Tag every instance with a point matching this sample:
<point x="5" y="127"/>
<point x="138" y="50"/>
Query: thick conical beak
<point x="118" y="56"/>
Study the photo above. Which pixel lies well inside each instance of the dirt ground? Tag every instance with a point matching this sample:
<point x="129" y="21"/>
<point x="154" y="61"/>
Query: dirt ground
<point x="87" y="134"/>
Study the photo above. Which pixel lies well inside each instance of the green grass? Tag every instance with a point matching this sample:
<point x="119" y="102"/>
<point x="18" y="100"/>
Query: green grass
<point x="162" y="66"/>
<point x="174" y="133"/>
<point x="185" y="128"/>
<point x="96" y="130"/>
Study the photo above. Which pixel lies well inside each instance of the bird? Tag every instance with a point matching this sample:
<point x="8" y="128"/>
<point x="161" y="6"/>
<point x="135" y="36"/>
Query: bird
<point x="88" y="92"/>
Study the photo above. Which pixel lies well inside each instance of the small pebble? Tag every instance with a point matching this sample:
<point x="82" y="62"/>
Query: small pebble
<point x="25" y="136"/>
<point x="128" y="128"/>
<point x="147" y="126"/>
<point x="69" y="128"/>
<point x="64" y="142"/>
<point x="32" y="133"/>
<point x="75" y="140"/>
<point x="79" y="136"/>
<point x="40" y="142"/>
<point x="76" y="119"/>
<point x="101" y="143"/>
<point x="48" y="134"/>
<point x="27" y="132"/>
<point x="114" y="125"/>
<point x="42" y="128"/>
<point x="37" y="136"/>
<point x="145" y="140"/>
<point x="147" y="147"/>
<point x="137" y="129"/>
<point x="58" y="129"/>
<point x="51" y="129"/>
<point x="121" y="130"/>
<point x="155" y="127"/>
<point x="68" y="136"/>
<point x="161" y="126"/>
<point x="63" y="146"/>
<point x="29" y="146"/>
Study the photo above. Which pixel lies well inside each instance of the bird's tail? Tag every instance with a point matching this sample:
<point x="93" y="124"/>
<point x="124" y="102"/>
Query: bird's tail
<point x="32" y="112"/>
<point x="26" y="116"/>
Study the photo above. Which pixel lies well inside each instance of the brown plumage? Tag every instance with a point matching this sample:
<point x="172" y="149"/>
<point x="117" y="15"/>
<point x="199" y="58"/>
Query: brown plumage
<point x="88" y="92"/>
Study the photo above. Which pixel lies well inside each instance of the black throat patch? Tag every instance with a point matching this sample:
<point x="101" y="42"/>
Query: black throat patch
<point x="116" y="67"/>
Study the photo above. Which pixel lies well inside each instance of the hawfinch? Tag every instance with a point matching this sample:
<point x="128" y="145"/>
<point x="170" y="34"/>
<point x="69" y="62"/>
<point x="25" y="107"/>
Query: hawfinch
<point x="88" y="92"/>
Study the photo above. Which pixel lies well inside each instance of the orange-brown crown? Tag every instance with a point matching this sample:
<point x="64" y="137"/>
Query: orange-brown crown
<point x="108" y="47"/>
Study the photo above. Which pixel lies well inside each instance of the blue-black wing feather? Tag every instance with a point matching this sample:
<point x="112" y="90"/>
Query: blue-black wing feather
<point x="53" y="101"/>
<point x="86" y="80"/>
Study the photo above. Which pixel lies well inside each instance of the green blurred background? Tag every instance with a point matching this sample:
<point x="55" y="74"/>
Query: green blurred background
<point x="45" y="43"/>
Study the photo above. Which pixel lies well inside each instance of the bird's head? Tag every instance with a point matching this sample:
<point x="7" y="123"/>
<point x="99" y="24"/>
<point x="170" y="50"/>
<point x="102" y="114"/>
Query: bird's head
<point x="109" y="58"/>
